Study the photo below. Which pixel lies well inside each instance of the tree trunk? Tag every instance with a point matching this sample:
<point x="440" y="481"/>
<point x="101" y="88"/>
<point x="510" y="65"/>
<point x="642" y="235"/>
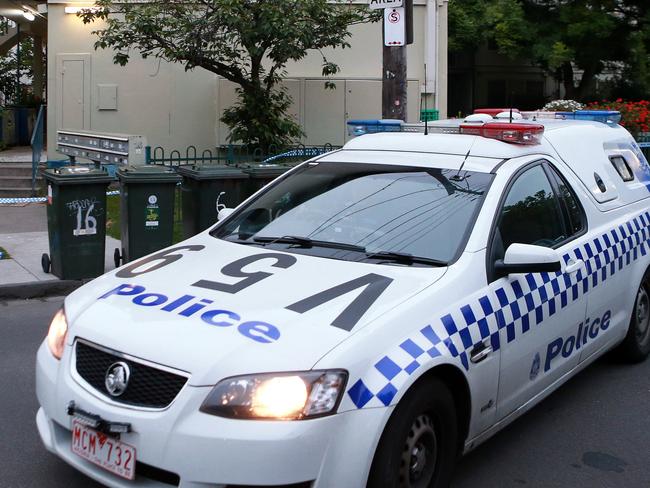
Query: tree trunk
<point x="567" y="81"/>
<point x="587" y="80"/>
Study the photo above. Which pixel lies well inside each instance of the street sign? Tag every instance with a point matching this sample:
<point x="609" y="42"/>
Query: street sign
<point x="377" y="4"/>
<point x="394" y="27"/>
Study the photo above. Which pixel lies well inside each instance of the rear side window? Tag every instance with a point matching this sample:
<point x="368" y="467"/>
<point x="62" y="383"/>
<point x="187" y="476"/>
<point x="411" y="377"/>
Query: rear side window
<point x="574" y="213"/>
<point x="622" y="167"/>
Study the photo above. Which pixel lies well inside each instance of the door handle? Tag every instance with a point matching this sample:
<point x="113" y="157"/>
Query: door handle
<point x="479" y="353"/>
<point x="573" y="266"/>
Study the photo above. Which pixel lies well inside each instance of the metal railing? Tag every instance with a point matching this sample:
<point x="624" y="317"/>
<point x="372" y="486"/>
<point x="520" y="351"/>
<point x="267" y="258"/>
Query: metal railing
<point x="233" y="154"/>
<point x="158" y="156"/>
<point x="38" y="139"/>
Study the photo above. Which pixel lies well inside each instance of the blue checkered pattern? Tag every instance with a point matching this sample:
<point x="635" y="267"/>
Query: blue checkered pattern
<point x="526" y="303"/>
<point x="16" y="201"/>
<point x="392" y="370"/>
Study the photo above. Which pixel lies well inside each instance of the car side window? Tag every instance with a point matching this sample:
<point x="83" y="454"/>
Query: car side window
<point x="576" y="218"/>
<point x="530" y="214"/>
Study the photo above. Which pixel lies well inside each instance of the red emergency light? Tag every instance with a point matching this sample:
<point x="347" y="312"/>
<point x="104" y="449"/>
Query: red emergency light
<point x="493" y="112"/>
<point x="503" y="131"/>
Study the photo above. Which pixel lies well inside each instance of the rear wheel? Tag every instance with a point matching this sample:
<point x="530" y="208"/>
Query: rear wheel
<point x="636" y="346"/>
<point x="46" y="264"/>
<point x="419" y="446"/>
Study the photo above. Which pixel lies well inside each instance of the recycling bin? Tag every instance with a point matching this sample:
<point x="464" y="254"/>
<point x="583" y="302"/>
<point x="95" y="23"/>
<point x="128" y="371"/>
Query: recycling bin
<point x="147" y="209"/>
<point x="76" y="222"/>
<point x="205" y="191"/>
<point x="261" y="174"/>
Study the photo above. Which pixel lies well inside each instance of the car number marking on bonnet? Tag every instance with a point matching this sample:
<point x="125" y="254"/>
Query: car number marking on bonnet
<point x="372" y="285"/>
<point x="236" y="270"/>
<point x="166" y="257"/>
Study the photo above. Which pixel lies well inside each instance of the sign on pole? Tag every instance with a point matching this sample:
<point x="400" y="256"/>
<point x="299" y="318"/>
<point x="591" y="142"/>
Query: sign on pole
<point x="394" y="27"/>
<point x="377" y="4"/>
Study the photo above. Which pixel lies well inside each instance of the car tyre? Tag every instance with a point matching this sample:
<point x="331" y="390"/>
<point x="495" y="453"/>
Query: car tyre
<point x="46" y="264"/>
<point x="636" y="345"/>
<point x="419" y="446"/>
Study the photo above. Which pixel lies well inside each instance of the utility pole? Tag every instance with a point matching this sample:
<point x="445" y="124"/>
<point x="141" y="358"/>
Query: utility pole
<point x="393" y="89"/>
<point x="398" y="32"/>
<point x="18" y="62"/>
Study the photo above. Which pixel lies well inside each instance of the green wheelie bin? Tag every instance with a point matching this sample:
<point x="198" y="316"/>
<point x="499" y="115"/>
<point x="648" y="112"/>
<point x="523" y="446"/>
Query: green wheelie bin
<point x="76" y="222"/>
<point x="205" y="191"/>
<point x="261" y="174"/>
<point x="147" y="209"/>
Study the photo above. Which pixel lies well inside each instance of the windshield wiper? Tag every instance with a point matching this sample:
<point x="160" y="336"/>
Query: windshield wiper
<point x="405" y="258"/>
<point x="307" y="242"/>
<point x="240" y="241"/>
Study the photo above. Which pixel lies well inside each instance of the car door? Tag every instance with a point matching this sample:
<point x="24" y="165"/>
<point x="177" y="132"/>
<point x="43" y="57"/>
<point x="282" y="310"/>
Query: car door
<point x="607" y="280"/>
<point x="540" y="312"/>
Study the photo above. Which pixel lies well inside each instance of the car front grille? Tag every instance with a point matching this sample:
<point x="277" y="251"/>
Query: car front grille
<point x="148" y="386"/>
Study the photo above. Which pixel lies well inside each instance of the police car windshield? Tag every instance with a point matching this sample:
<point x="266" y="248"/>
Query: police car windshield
<point x="363" y="212"/>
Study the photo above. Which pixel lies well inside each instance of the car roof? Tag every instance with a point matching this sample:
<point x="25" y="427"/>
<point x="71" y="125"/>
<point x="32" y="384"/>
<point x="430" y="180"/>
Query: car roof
<point x="584" y="146"/>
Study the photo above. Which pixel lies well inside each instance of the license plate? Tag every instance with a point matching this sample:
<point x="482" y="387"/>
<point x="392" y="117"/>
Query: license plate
<point x="106" y="452"/>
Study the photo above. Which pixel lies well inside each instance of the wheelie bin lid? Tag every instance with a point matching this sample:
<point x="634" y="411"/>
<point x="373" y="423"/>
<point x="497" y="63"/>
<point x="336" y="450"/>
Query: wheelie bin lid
<point x="262" y="170"/>
<point x="76" y="175"/>
<point x="212" y="172"/>
<point x="148" y="174"/>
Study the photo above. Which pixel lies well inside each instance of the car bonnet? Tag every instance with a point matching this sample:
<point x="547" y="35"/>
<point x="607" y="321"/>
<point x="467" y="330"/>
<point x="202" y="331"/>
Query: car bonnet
<point x="216" y="309"/>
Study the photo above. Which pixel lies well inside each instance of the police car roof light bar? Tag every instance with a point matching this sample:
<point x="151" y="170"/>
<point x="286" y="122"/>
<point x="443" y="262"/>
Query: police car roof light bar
<point x="494" y="111"/>
<point x="609" y="117"/>
<point x="506" y="132"/>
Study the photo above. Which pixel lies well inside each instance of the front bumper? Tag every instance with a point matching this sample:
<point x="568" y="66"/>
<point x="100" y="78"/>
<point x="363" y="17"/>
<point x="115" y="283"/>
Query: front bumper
<point x="207" y="451"/>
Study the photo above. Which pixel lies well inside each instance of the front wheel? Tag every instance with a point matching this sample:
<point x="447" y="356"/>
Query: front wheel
<point x="419" y="446"/>
<point x="46" y="264"/>
<point x="636" y="346"/>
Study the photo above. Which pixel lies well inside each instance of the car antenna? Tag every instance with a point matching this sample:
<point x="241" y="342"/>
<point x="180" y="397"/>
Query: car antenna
<point x="457" y="176"/>
<point x="426" y="113"/>
<point x="511" y="97"/>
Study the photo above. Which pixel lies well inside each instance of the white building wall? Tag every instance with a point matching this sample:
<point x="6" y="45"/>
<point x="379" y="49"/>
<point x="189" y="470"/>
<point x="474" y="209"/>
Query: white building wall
<point x="155" y="99"/>
<point x="174" y="108"/>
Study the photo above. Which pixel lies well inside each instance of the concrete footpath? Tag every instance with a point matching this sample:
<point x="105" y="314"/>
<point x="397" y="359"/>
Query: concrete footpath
<point x="23" y="234"/>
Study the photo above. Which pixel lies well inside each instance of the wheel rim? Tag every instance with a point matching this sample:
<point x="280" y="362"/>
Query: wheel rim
<point x="419" y="455"/>
<point x="642" y="312"/>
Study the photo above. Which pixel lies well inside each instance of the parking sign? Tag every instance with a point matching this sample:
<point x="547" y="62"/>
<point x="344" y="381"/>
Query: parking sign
<point x="394" y="27"/>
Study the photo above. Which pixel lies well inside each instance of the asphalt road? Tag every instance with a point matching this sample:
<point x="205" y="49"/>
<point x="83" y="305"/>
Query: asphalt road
<point x="594" y="432"/>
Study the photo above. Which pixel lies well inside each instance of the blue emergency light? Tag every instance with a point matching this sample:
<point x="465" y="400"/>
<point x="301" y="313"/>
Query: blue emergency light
<point x="360" y="127"/>
<point x="610" y="117"/>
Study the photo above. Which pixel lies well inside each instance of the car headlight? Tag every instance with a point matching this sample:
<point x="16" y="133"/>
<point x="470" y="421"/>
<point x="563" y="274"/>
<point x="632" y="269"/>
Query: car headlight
<point x="57" y="334"/>
<point x="282" y="396"/>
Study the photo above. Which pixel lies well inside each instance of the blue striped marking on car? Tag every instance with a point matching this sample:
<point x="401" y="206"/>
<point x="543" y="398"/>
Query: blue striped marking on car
<point x="527" y="302"/>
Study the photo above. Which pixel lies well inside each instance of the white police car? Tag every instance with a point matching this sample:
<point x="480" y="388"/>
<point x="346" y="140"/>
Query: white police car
<point x="362" y="320"/>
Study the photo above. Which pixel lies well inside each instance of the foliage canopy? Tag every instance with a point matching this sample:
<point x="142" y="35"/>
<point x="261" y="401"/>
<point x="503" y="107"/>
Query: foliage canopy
<point x="562" y="36"/>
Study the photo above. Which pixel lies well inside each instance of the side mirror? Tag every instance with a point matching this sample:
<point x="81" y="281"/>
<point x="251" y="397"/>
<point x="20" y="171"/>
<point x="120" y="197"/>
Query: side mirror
<point x="526" y="258"/>
<point x="223" y="213"/>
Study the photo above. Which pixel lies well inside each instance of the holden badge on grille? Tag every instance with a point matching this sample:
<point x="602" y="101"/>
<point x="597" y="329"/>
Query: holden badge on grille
<point x="117" y="378"/>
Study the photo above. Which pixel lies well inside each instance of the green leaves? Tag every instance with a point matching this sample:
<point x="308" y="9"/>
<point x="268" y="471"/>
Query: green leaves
<point x="559" y="35"/>
<point x="559" y="54"/>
